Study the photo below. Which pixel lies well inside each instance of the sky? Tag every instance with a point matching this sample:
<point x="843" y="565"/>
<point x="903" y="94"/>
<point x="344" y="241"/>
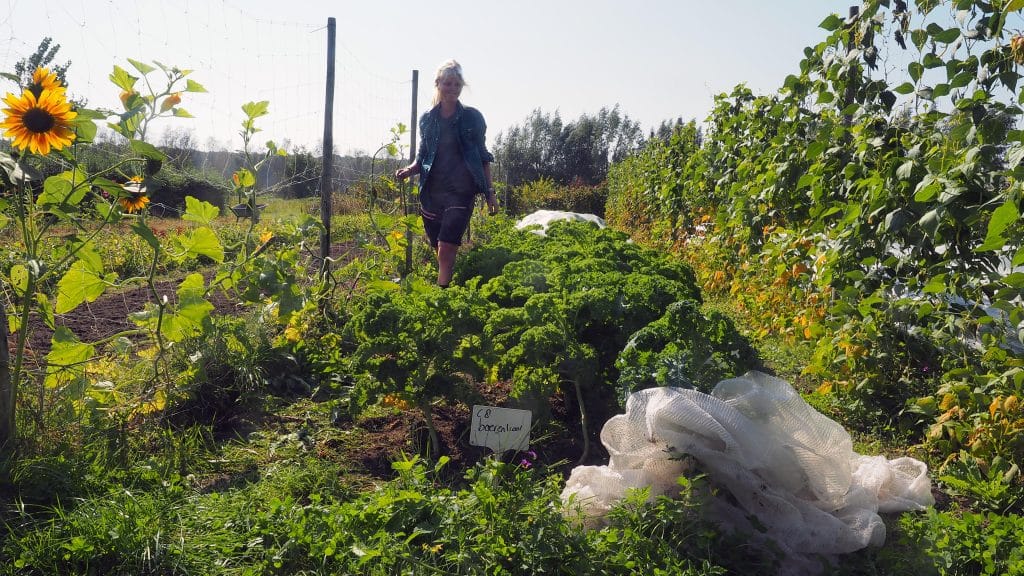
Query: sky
<point x="656" y="59"/>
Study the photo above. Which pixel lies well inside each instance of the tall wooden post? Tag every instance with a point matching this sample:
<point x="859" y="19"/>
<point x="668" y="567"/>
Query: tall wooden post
<point x="413" y="123"/>
<point x="328" y="160"/>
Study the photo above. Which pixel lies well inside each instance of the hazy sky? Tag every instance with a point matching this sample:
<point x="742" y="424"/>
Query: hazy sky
<point x="657" y="59"/>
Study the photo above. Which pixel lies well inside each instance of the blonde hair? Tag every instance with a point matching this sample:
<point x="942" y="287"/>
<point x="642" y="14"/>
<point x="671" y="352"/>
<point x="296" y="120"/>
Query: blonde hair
<point x="447" y="69"/>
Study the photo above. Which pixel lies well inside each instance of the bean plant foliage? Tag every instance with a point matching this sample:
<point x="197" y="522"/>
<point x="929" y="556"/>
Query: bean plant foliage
<point x="880" y="191"/>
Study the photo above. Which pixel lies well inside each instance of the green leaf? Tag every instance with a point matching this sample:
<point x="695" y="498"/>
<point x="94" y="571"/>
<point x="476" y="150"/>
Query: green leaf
<point x="57" y="189"/>
<point x="3" y="221"/>
<point x="88" y="253"/>
<point x="182" y="113"/>
<point x="142" y="230"/>
<point x="962" y="79"/>
<point x="256" y="109"/>
<point x="831" y="23"/>
<point x="193" y="86"/>
<point x="933" y="61"/>
<point x="919" y="37"/>
<point x="66" y="359"/>
<point x="84" y="128"/>
<point x="905" y="170"/>
<point x="1002" y="218"/>
<point x="245" y="178"/>
<point x="203" y="242"/>
<point x="199" y="211"/>
<point x="927" y="189"/>
<point x="147" y="150"/>
<point x="191" y="312"/>
<point x="930" y="222"/>
<point x="81" y="283"/>
<point x="1014" y="5"/>
<point x="19" y="279"/>
<point x="905" y="88"/>
<point x="947" y="36"/>
<point x="940" y="90"/>
<point x="45" y="310"/>
<point x="1014" y="155"/>
<point x="142" y="67"/>
<point x="935" y="285"/>
<point x="1018" y="258"/>
<point x="915" y="69"/>
<point x="122" y="79"/>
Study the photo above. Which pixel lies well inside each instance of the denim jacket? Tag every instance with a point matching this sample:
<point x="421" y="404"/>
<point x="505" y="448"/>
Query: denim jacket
<point x="471" y="131"/>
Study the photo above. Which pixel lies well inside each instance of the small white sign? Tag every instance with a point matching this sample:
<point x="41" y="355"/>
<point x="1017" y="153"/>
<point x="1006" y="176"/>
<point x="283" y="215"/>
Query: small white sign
<point x="500" y="429"/>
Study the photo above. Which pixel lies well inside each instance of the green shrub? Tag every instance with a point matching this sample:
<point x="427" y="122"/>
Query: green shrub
<point x="169" y="187"/>
<point x="968" y="542"/>
<point x="545" y="194"/>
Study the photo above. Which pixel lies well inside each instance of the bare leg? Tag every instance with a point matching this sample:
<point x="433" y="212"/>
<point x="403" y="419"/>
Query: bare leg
<point x="445" y="262"/>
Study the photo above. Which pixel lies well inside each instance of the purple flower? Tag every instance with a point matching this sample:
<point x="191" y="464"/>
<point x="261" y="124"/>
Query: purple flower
<point x="530" y="457"/>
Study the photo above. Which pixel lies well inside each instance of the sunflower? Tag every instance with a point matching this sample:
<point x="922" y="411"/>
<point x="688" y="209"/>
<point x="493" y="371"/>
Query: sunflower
<point x="39" y="123"/>
<point x="43" y="79"/>
<point x="136" y="198"/>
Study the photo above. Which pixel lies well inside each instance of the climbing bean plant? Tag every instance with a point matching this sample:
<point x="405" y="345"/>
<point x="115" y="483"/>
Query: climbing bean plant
<point x="879" y="191"/>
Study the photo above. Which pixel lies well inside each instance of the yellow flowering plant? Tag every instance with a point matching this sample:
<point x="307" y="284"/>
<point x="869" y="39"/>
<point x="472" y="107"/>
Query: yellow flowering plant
<point x="43" y="124"/>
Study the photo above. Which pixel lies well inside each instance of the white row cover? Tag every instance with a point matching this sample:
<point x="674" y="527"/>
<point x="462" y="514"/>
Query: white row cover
<point x="776" y="458"/>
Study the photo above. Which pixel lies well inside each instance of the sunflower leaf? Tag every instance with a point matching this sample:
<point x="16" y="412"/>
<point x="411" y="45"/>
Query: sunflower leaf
<point x="85" y="129"/>
<point x="56" y="189"/>
<point x="144" y="231"/>
<point x="19" y="279"/>
<point x="147" y="150"/>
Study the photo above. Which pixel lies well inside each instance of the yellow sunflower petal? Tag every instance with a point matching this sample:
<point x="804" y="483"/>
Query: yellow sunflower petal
<point x="39" y="123"/>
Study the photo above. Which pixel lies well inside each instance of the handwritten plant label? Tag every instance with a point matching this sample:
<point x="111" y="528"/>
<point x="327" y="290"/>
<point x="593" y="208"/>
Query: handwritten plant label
<point x="500" y="429"/>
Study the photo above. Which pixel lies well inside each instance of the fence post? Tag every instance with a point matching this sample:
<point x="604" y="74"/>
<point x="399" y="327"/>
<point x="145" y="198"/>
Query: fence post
<point x="327" y="176"/>
<point x="413" y="123"/>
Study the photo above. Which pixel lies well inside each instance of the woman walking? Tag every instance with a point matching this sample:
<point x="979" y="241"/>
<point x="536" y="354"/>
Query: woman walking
<point x="454" y="166"/>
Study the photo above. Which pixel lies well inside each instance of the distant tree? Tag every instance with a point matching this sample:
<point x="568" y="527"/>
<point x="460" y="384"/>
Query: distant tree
<point x="579" y="151"/>
<point x="179" y="143"/>
<point x="41" y="58"/>
<point x="302" y="174"/>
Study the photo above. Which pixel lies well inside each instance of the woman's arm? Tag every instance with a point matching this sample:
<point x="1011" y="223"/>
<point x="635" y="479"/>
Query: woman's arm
<point x="489" y="196"/>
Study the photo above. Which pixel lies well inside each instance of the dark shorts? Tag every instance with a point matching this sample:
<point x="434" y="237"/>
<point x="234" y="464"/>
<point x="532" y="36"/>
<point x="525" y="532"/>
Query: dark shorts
<point x="448" y="225"/>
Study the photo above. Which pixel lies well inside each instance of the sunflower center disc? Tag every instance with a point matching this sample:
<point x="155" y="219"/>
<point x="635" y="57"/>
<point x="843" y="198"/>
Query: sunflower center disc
<point x="38" y="120"/>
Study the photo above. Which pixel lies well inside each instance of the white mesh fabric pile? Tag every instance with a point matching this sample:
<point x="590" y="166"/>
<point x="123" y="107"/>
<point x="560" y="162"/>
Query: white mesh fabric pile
<point x="779" y="459"/>
<point x="544" y="217"/>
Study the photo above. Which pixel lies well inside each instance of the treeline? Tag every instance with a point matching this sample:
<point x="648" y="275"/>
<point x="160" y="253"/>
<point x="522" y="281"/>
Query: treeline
<point x="544" y="147"/>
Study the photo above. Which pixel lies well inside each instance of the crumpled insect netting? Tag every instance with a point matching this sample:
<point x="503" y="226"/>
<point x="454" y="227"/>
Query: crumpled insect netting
<point x="778" y="459"/>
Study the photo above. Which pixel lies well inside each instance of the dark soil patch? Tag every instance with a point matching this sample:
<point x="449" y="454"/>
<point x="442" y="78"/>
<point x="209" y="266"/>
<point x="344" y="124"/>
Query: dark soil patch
<point x="557" y="442"/>
<point x="109" y="315"/>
